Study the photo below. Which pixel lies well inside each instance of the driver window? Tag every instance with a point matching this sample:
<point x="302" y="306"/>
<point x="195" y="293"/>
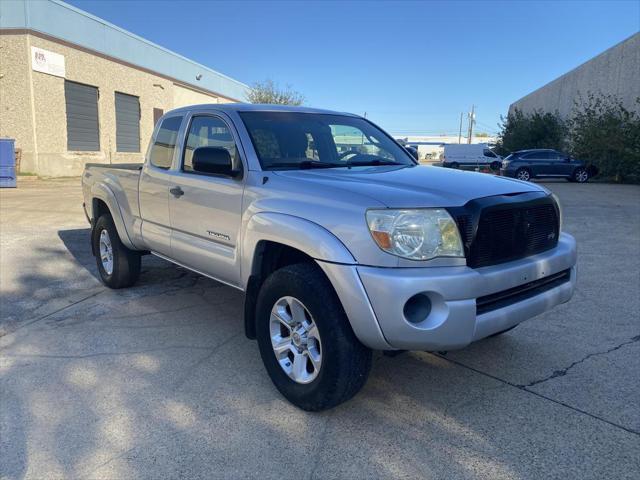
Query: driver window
<point x="208" y="131"/>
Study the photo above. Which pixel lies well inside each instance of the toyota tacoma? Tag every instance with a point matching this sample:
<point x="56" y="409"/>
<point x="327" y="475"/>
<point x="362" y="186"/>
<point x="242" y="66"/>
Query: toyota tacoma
<point x="340" y="241"/>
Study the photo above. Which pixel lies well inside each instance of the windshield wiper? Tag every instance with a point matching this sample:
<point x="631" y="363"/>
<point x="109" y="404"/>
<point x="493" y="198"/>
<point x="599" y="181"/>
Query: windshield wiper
<point x="374" y="162"/>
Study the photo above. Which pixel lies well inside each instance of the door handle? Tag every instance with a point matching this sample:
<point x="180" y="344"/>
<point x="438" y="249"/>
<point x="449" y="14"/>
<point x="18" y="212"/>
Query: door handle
<point x="176" y="192"/>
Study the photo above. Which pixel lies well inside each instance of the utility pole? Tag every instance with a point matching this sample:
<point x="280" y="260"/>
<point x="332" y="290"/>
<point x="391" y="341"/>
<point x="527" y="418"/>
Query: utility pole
<point x="472" y="119"/>
<point x="460" y="131"/>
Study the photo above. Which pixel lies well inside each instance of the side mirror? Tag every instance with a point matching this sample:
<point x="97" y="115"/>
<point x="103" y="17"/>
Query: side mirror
<point x="214" y="160"/>
<point x="413" y="152"/>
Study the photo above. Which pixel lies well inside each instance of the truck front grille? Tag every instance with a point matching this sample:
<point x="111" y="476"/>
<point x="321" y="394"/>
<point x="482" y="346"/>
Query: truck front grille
<point x="501" y="229"/>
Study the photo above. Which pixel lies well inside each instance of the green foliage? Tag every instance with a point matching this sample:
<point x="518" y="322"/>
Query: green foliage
<point x="271" y="93"/>
<point x="600" y="131"/>
<point x="537" y="130"/>
<point x="606" y="134"/>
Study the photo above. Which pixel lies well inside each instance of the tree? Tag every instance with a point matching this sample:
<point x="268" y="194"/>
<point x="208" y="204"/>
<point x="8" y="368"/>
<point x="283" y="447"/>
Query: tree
<point x="270" y="92"/>
<point x="606" y="134"/>
<point x="536" y="130"/>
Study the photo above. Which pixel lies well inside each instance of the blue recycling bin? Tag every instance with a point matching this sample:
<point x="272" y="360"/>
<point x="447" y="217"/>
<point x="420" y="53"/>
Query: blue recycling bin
<point x="7" y="163"/>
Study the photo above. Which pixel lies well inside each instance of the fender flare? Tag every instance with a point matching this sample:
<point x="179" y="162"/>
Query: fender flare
<point x="102" y="192"/>
<point x="304" y="235"/>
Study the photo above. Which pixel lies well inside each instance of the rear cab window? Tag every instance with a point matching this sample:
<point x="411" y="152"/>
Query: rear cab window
<point x="164" y="144"/>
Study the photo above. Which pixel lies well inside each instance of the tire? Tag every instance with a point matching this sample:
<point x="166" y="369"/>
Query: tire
<point x="344" y="363"/>
<point x="454" y="165"/>
<point x="495" y="166"/>
<point x="580" y="175"/>
<point x="523" y="174"/>
<point x="118" y="267"/>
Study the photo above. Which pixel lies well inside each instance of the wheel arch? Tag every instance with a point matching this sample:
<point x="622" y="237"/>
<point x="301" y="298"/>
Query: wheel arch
<point x="272" y="241"/>
<point x="104" y="201"/>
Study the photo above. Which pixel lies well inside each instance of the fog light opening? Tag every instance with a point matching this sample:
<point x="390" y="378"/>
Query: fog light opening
<point x="417" y="308"/>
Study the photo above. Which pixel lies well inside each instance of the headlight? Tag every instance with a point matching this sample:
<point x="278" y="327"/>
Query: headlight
<point x="416" y="234"/>
<point x="557" y="200"/>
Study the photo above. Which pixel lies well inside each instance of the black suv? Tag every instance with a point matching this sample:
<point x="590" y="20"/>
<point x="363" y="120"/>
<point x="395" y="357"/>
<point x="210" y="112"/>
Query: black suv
<point x="528" y="164"/>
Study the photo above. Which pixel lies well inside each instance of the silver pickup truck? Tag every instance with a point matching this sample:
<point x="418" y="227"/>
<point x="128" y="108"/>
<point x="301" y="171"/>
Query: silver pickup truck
<point x="341" y="243"/>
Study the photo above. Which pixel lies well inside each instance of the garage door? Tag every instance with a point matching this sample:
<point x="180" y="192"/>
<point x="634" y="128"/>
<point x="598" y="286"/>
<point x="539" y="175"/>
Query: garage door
<point x="82" y="117"/>
<point x="127" y="123"/>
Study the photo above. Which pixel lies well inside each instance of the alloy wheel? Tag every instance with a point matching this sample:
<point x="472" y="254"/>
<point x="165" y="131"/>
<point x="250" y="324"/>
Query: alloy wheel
<point x="106" y="252"/>
<point x="582" y="176"/>
<point x="295" y="340"/>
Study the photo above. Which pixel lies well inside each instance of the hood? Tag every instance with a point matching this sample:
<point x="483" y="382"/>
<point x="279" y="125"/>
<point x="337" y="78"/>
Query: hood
<point x="413" y="186"/>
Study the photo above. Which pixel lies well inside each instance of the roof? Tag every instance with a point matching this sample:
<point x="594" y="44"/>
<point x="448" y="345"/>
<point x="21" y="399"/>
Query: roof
<point x="257" y="107"/>
<point x="65" y="22"/>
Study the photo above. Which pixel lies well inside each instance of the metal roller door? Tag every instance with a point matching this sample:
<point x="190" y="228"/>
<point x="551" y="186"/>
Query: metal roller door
<point x="127" y="123"/>
<point x="83" y="133"/>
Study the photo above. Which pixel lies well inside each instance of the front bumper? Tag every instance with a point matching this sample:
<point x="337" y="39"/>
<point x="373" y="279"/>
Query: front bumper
<point x="375" y="306"/>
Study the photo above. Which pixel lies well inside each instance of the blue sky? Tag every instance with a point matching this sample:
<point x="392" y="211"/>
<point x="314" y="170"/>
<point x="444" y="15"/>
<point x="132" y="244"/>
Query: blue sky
<point x="412" y="66"/>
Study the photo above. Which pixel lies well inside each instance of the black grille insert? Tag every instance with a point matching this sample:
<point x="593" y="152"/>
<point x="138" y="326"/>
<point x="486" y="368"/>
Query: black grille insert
<point x="513" y="295"/>
<point x="505" y="228"/>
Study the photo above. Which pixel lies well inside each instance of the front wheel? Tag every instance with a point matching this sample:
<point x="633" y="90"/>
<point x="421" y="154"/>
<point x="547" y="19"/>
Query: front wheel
<point x="118" y="266"/>
<point x="306" y="342"/>
<point x="523" y="174"/>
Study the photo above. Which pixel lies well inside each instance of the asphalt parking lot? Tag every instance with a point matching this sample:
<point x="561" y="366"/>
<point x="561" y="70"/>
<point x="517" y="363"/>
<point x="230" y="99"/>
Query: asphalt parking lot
<point x="158" y="381"/>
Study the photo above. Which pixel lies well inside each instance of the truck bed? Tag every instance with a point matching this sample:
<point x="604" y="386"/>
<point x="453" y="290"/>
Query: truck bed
<point x="121" y="179"/>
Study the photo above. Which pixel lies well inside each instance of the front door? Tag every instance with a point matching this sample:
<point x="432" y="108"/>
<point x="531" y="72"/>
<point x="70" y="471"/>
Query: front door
<point x="206" y="209"/>
<point x="539" y="163"/>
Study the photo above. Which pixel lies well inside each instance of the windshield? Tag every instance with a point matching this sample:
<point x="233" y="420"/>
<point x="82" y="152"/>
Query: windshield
<point x="288" y="140"/>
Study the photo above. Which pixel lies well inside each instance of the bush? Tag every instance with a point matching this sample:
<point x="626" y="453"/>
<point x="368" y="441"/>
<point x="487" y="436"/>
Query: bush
<point x="604" y="133"/>
<point x="537" y="130"/>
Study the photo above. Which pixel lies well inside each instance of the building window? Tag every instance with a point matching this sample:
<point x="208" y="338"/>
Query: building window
<point x="165" y="143"/>
<point x="127" y="123"/>
<point x="157" y="113"/>
<point x="83" y="131"/>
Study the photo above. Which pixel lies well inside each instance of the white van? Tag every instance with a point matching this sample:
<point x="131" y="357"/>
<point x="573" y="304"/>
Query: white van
<point x="465" y="155"/>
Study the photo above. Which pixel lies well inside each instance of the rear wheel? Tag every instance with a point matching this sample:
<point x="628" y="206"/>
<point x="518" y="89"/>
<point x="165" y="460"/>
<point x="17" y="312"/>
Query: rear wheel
<point x="523" y="174"/>
<point x="306" y="342"/>
<point x="454" y="165"/>
<point x="580" y="175"/>
<point x="118" y="266"/>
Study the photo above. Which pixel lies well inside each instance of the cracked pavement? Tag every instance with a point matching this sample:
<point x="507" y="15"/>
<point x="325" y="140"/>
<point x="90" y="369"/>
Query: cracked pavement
<point x="158" y="381"/>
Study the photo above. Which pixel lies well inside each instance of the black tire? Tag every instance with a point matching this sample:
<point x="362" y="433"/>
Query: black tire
<point x="580" y="175"/>
<point x="126" y="262"/>
<point x="522" y="172"/>
<point x="495" y="165"/>
<point x="345" y="361"/>
<point x="454" y="165"/>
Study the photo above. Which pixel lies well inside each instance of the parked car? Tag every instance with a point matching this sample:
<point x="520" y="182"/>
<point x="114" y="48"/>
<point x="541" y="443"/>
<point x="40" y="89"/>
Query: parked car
<point x="538" y="163"/>
<point x="337" y="253"/>
<point x="470" y="155"/>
